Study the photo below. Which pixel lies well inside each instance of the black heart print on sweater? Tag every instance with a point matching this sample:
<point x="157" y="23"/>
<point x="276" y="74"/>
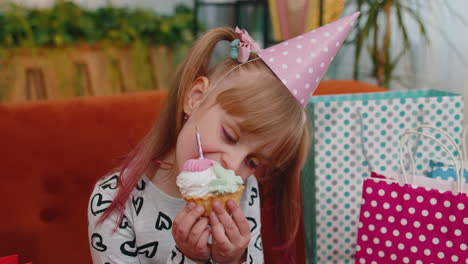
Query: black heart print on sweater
<point x="124" y="223"/>
<point x="98" y="205"/>
<point x="141" y="186"/>
<point x="258" y="243"/>
<point x="97" y="243"/>
<point x="163" y="222"/>
<point x="174" y="254"/>
<point x="111" y="183"/>
<point x="137" y="204"/>
<point x="149" y="250"/>
<point x="254" y="223"/>
<point x="253" y="196"/>
<point x="128" y="248"/>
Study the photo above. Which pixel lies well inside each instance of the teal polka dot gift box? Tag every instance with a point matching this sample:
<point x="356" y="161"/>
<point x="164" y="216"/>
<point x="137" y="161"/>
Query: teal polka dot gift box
<point x="353" y="135"/>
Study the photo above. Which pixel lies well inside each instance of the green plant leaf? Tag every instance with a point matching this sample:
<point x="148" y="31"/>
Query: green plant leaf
<point x="66" y="23"/>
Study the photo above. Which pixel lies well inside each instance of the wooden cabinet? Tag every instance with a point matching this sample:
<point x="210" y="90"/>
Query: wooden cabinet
<point x="42" y="74"/>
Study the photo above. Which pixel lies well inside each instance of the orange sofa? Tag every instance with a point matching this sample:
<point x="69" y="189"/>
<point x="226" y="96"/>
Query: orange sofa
<point x="51" y="154"/>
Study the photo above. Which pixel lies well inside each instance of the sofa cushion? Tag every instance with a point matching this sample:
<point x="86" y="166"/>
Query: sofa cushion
<point x="51" y="155"/>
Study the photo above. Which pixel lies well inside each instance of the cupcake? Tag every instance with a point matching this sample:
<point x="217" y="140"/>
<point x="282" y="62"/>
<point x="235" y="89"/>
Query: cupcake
<point x="202" y="181"/>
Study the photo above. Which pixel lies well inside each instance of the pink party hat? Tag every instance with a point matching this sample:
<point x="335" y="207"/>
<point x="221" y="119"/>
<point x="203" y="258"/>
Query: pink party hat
<point x="301" y="62"/>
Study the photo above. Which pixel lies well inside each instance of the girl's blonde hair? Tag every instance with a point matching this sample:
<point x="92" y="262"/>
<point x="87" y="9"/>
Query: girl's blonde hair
<point x="251" y="91"/>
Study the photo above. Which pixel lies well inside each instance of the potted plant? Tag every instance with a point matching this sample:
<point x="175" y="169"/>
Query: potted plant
<point x="373" y="33"/>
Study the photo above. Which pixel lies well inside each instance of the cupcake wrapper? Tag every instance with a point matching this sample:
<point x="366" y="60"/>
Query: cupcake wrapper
<point x="206" y="201"/>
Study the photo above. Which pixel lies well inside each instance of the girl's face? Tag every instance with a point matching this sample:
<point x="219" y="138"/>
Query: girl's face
<point x="222" y="138"/>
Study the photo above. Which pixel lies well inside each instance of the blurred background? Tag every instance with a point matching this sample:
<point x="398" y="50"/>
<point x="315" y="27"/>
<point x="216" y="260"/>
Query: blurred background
<point x="54" y="150"/>
<point x="57" y="49"/>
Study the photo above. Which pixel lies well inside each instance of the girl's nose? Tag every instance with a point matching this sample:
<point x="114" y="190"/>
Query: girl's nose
<point x="232" y="161"/>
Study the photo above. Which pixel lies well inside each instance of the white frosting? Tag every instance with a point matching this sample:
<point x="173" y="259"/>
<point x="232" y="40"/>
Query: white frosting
<point x="195" y="184"/>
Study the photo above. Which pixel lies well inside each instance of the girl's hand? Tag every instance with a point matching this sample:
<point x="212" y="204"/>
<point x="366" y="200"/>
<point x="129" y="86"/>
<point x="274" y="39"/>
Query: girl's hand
<point x="191" y="232"/>
<point x="231" y="235"/>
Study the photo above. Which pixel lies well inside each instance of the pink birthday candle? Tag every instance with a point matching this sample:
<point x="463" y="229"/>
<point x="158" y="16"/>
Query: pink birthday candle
<point x="200" y="164"/>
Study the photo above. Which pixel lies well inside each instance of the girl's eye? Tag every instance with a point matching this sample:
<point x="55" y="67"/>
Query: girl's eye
<point x="252" y="163"/>
<point x="229" y="137"/>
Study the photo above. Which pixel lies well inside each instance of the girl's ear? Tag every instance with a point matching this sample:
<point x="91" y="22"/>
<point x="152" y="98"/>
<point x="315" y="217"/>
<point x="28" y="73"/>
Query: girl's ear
<point x="196" y="94"/>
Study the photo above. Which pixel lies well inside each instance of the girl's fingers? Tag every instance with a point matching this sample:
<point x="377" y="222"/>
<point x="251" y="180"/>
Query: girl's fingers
<point x="203" y="241"/>
<point x="178" y="228"/>
<point x="185" y="220"/>
<point x="196" y="231"/>
<point x="219" y="237"/>
<point x="239" y="219"/>
<point x="189" y="207"/>
<point x="228" y="223"/>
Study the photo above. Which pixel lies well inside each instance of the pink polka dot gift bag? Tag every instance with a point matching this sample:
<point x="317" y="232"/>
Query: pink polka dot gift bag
<point x="413" y="221"/>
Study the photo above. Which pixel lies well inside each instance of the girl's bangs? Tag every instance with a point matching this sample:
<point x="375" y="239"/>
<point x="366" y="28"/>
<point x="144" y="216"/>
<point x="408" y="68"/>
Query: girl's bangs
<point x="270" y="111"/>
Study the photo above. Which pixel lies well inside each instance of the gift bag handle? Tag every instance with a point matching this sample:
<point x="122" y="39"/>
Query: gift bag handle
<point x="465" y="143"/>
<point x="443" y="132"/>
<point x="400" y="152"/>
<point x="363" y="148"/>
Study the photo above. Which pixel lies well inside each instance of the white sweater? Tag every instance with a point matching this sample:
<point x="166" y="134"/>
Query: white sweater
<point x="144" y="234"/>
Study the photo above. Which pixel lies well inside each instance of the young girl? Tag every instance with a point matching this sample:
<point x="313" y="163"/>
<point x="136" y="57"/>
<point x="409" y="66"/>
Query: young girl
<point x="249" y="119"/>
